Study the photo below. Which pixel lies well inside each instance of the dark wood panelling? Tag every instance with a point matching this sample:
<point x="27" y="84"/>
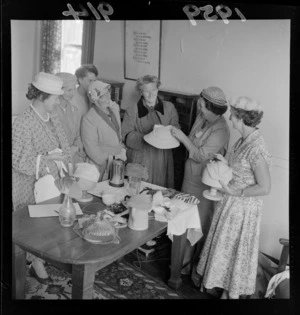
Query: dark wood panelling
<point x="186" y="106"/>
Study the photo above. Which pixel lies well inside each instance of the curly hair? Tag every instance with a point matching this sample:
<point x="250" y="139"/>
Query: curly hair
<point x="251" y="118"/>
<point x="34" y="93"/>
<point x="145" y="80"/>
<point x="214" y="108"/>
<point x="83" y="70"/>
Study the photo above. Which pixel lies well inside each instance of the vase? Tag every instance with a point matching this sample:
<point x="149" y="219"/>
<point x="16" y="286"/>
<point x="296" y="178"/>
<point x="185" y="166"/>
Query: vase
<point x="67" y="212"/>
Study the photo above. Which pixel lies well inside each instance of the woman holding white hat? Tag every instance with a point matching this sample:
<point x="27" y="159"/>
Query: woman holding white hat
<point x="70" y="116"/>
<point x="230" y="255"/>
<point x="101" y="129"/>
<point x="140" y="120"/>
<point x="35" y="132"/>
<point x="209" y="135"/>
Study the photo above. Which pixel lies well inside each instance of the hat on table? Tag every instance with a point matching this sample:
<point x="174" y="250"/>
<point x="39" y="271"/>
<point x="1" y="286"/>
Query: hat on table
<point x="48" y="83"/>
<point x="161" y="138"/>
<point x="87" y="171"/>
<point x="214" y="95"/>
<point x="68" y="78"/>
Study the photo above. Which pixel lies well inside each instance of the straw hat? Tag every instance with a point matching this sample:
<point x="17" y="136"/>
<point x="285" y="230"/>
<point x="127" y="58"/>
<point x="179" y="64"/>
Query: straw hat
<point x="48" y="83"/>
<point x="99" y="86"/>
<point x="161" y="138"/>
<point x="214" y="95"/>
<point x="87" y="171"/>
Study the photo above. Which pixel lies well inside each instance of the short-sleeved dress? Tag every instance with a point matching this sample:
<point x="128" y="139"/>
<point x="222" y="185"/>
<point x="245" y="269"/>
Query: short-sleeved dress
<point x="30" y="137"/>
<point x="230" y="255"/>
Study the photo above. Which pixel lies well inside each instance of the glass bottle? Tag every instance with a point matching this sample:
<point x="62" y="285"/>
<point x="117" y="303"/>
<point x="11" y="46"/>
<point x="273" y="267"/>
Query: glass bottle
<point x="67" y="212"/>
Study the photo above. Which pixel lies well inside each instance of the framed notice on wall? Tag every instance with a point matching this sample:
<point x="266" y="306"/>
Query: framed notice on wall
<point x="142" y="48"/>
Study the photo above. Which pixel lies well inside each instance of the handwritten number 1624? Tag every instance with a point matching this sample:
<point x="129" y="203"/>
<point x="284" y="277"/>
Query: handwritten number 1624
<point x="104" y="12"/>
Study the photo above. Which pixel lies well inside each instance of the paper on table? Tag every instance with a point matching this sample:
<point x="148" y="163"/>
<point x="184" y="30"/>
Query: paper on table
<point x="40" y="211"/>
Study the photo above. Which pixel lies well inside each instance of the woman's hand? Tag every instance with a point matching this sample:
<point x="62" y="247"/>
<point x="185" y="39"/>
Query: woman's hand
<point x="177" y="133"/>
<point x="229" y="191"/>
<point x="220" y="157"/>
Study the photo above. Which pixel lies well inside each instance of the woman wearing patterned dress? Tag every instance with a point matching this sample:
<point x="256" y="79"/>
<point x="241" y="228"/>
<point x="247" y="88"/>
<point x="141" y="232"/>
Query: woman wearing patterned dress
<point x="139" y="120"/>
<point x="36" y="132"/>
<point x="230" y="255"/>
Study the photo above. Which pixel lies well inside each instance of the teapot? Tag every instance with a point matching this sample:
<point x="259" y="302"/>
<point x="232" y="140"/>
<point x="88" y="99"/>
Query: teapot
<point x="117" y="173"/>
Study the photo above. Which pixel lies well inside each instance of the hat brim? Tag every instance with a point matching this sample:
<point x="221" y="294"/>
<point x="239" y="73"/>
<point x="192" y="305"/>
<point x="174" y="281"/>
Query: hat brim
<point x="173" y="143"/>
<point x="47" y="90"/>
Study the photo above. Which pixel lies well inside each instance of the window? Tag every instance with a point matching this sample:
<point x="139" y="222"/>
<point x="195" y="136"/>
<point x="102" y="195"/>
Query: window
<point x="71" y="45"/>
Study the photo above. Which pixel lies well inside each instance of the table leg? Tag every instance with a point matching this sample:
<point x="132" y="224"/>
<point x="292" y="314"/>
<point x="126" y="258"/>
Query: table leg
<point x="83" y="277"/>
<point x="19" y="272"/>
<point x="177" y="254"/>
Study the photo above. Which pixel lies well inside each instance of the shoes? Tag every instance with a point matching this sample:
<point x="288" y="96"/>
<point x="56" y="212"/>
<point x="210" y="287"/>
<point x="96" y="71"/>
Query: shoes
<point x="45" y="281"/>
<point x="186" y="269"/>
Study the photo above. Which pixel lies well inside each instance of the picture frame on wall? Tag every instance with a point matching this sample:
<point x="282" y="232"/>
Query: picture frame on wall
<point x="142" y="40"/>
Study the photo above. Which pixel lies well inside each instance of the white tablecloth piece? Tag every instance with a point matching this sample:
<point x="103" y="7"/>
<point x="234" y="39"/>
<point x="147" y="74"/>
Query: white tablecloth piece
<point x="186" y="219"/>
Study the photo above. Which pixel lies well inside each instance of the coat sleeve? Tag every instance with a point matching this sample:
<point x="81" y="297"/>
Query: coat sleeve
<point x="91" y="140"/>
<point x="217" y="140"/>
<point x="130" y="134"/>
<point x="174" y="121"/>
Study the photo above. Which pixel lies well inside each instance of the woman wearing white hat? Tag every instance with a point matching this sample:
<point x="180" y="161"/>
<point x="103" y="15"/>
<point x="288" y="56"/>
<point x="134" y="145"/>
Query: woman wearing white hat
<point x="70" y="116"/>
<point x="140" y="120"/>
<point x="230" y="255"/>
<point x="101" y="129"/>
<point x="36" y="132"/>
<point x="209" y="135"/>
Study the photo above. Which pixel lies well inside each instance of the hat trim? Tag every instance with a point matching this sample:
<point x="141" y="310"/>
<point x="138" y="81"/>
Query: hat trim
<point x="49" y="91"/>
<point x="222" y="103"/>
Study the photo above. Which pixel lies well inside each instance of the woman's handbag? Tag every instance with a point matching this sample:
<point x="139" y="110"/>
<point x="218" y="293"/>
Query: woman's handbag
<point x="44" y="187"/>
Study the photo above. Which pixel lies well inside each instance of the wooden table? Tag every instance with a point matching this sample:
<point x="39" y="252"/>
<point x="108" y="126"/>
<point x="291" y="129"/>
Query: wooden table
<point x="61" y="246"/>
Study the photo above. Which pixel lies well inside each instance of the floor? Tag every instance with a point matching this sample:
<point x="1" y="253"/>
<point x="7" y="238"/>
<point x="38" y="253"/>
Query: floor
<point x="157" y="265"/>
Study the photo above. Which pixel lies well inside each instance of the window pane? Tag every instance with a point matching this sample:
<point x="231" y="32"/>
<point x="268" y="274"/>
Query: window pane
<point x="71" y="46"/>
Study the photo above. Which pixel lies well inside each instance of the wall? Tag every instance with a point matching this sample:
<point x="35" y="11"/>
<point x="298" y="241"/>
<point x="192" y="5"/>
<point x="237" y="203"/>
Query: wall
<point x="25" y="54"/>
<point x="250" y="58"/>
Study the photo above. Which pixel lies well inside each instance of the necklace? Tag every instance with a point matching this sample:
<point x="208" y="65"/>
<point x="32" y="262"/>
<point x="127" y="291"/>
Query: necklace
<point x="43" y="119"/>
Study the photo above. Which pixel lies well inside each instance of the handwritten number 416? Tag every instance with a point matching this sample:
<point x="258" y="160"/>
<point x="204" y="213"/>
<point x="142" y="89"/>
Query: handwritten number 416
<point x="105" y="12"/>
<point x="223" y="10"/>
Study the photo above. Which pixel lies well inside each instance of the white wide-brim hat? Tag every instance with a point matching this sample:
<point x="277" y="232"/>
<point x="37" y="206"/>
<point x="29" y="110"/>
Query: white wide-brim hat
<point x="87" y="171"/>
<point x="160" y="137"/>
<point x="48" y="83"/>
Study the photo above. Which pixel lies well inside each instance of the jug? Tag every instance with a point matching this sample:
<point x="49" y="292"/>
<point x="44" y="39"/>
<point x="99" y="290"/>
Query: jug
<point x="138" y="219"/>
<point x="117" y="173"/>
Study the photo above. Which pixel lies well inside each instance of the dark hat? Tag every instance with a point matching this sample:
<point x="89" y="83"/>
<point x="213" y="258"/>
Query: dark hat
<point x="214" y="95"/>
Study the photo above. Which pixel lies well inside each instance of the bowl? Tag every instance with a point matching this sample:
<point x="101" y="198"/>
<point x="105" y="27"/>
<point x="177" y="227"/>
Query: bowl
<point x="108" y="199"/>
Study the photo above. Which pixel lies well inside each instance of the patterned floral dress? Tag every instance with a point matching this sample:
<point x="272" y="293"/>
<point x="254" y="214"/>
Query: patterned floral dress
<point x="230" y="255"/>
<point x="30" y="137"/>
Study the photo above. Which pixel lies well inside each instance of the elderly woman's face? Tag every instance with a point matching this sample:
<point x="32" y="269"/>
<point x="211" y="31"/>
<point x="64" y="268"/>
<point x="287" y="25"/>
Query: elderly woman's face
<point x="149" y="92"/>
<point x="69" y="92"/>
